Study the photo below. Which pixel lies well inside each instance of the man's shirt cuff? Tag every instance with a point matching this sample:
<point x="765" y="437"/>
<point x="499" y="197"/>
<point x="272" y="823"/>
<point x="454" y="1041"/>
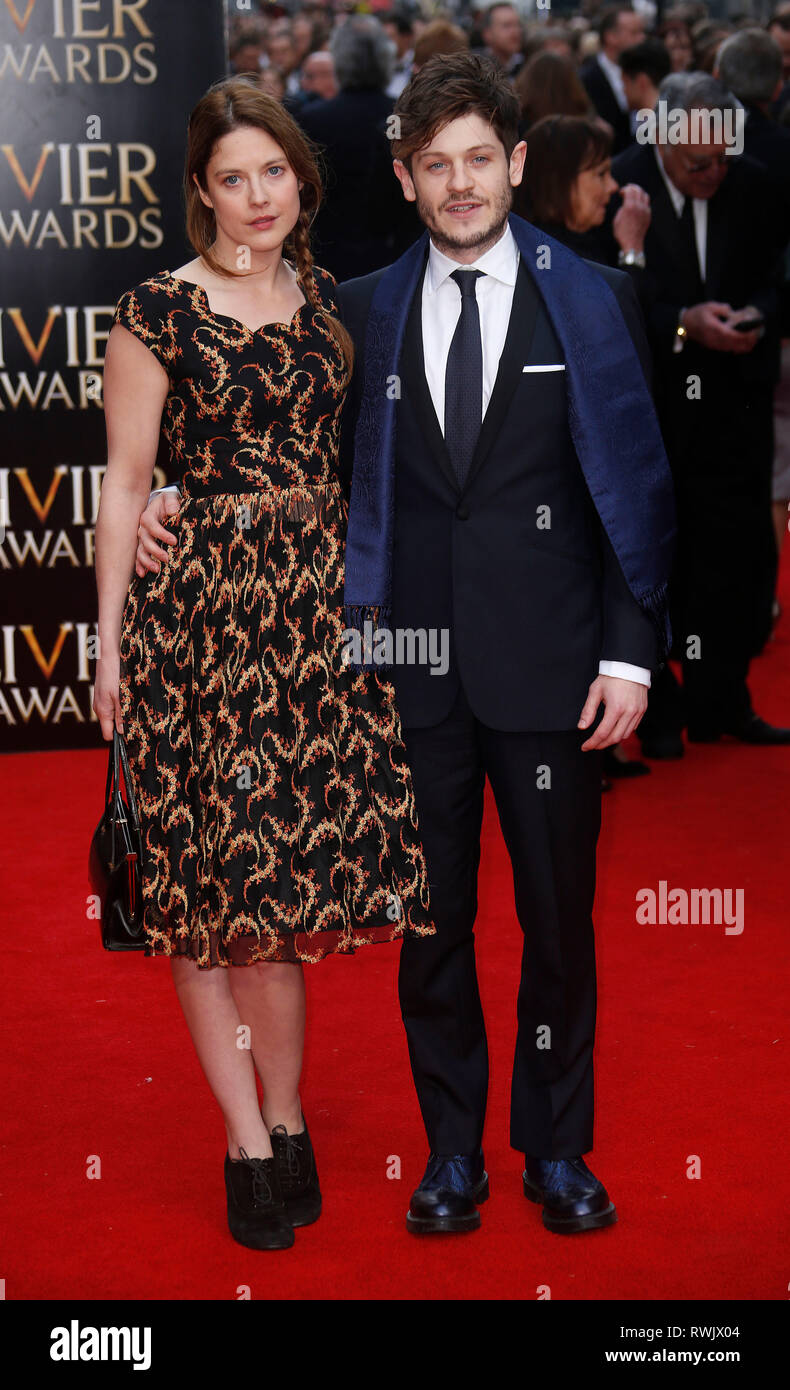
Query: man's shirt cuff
<point x="625" y="671"/>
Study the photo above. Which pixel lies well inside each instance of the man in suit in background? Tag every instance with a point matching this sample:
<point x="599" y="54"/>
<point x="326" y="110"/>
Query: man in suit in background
<point x="359" y="223"/>
<point x="503" y="36"/>
<point x="471" y="513"/>
<point x="749" y="64"/>
<point x="713" y="251"/>
<point x="620" y="27"/>
<point x="643" y="69"/>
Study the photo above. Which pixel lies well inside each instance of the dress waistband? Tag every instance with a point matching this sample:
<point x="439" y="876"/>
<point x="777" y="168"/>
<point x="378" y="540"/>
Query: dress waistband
<point x="273" y="491"/>
<point x="301" y="500"/>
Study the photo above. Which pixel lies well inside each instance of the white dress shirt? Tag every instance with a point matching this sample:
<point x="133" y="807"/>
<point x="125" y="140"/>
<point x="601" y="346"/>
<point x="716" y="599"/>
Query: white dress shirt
<point x="441" y="310"/>
<point x="700" y="206"/>
<point x="614" y="77"/>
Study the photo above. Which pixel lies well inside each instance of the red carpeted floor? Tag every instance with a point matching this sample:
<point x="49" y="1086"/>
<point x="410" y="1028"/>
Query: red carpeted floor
<point x="692" y="1059"/>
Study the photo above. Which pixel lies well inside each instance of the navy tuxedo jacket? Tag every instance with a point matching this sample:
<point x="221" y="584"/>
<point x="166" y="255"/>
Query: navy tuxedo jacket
<point x="530" y="608"/>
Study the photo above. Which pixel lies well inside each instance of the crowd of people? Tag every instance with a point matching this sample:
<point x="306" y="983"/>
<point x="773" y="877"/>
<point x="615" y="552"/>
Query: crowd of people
<point x="701" y="227"/>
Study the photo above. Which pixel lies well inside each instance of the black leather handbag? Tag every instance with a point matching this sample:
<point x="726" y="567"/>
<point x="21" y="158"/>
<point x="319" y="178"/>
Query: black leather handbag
<point x="115" y="859"/>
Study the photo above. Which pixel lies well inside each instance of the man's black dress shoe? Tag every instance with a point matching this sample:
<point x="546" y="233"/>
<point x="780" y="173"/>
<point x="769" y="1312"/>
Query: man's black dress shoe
<point x="659" y="746"/>
<point x="295" y="1163"/>
<point x="447" y="1197"/>
<point x="753" y="730"/>
<point x="573" y="1198"/>
<point x="618" y="767"/>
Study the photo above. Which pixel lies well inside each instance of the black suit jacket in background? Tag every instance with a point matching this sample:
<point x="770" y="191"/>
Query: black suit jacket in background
<point x="606" y="103"/>
<point x="530" y="611"/>
<point x="364" y="221"/>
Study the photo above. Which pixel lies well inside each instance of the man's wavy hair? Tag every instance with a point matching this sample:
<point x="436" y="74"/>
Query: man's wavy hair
<point x="448" y="86"/>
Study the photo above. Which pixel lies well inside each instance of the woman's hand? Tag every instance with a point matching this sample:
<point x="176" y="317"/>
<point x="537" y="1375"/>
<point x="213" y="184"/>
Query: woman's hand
<point x="151" y="530"/>
<point x="632" y="220"/>
<point x="106" y="694"/>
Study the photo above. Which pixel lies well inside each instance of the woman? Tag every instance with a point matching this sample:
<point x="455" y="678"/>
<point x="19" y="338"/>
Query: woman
<point x="549" y="85"/>
<point x="568" y="186"/>
<point x="566" y="191"/>
<point x="675" y="32"/>
<point x="275" y="799"/>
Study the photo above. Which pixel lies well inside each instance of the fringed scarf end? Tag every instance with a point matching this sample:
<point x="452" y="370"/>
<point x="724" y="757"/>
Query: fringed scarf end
<point x="656" y="604"/>
<point x="366" y="643"/>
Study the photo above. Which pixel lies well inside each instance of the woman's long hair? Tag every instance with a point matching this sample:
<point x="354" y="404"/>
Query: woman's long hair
<point x="227" y="105"/>
<point x="549" y="85"/>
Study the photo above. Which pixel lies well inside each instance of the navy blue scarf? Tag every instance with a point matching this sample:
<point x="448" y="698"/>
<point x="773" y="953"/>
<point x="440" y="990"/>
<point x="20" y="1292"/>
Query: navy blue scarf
<point x="610" y="414"/>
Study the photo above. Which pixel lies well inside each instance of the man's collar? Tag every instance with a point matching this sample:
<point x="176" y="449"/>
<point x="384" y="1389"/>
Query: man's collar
<point x="677" y="198"/>
<point x="609" y="66"/>
<point x="500" y="261"/>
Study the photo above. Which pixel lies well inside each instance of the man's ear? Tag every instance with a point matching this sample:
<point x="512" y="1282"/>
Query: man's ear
<point x="405" y="180"/>
<point x="516" y="168"/>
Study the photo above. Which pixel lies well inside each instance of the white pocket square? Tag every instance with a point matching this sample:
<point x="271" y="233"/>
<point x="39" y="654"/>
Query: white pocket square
<point x="546" y="367"/>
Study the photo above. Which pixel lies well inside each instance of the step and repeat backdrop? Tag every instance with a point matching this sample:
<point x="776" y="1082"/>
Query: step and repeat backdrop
<point x="94" y="101"/>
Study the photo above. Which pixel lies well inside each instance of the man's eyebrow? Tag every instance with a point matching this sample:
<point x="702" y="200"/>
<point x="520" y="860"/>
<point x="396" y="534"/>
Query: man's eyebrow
<point x="431" y="154"/>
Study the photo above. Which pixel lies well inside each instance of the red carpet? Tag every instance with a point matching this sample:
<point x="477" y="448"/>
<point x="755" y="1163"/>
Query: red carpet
<point x="691" y="1060"/>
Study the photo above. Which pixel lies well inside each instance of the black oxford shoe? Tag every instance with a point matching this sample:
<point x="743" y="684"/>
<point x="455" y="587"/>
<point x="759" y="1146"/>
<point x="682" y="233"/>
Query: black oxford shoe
<point x="257" y="1216"/>
<point x="295" y="1163"/>
<point x="573" y="1198"/>
<point x="448" y="1196"/>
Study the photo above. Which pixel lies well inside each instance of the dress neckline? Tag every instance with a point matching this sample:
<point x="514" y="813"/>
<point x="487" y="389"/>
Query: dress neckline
<point x="229" y="318"/>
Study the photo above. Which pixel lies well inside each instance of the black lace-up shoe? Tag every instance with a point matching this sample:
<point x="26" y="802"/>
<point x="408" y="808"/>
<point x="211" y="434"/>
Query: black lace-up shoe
<point x="573" y="1198"/>
<point x="448" y="1196"/>
<point x="296" y="1170"/>
<point x="257" y="1216"/>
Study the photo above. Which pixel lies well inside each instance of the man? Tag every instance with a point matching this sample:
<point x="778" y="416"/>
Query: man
<point x="620" y="28"/>
<point x="643" y="69"/>
<point x="246" y="52"/>
<point x="399" y="27"/>
<point x="778" y="28"/>
<point x="749" y="64"/>
<point x="466" y="472"/>
<point x="484" y="414"/>
<point x="357" y="225"/>
<point x="317" y="82"/>
<point x="712" y="251"/>
<point x="503" y="37"/>
<point x="282" y="54"/>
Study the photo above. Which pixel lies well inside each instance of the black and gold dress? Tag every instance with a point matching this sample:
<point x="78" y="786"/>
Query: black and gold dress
<point x="272" y="783"/>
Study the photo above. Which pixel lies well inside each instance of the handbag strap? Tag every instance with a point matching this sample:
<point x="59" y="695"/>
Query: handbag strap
<point x="120" y="762"/>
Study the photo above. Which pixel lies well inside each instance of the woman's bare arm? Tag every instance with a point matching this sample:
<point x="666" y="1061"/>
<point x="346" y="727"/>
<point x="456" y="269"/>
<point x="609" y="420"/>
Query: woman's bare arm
<point x="135" y="390"/>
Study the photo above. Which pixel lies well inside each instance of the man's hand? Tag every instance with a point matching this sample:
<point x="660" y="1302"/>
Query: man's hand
<point x="151" y="530"/>
<point x="625" y="702"/>
<point x="710" y="324"/>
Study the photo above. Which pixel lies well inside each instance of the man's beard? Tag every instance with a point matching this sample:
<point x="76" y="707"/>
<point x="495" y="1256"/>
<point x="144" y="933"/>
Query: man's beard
<point x="479" y="240"/>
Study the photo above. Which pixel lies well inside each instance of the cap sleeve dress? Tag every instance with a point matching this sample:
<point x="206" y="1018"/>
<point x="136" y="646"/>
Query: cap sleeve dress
<point x="274" y="793"/>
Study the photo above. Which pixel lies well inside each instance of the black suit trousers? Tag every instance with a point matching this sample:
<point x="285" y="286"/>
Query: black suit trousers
<point x="551" y="832"/>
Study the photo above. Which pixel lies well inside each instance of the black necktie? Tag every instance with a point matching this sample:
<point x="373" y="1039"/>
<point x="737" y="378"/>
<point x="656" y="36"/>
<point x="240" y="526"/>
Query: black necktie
<point x="689" y="235"/>
<point x="463" y="379"/>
